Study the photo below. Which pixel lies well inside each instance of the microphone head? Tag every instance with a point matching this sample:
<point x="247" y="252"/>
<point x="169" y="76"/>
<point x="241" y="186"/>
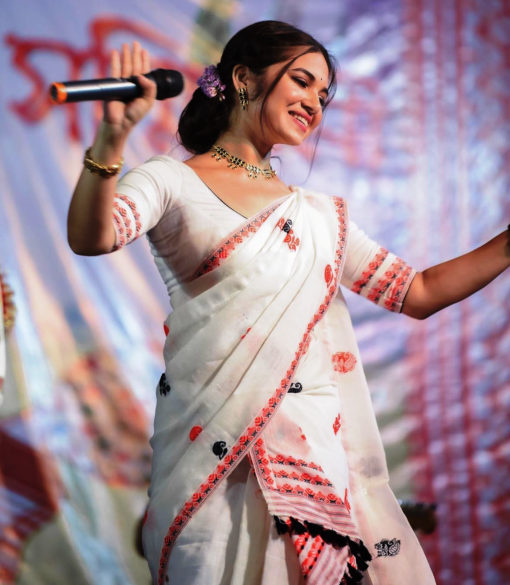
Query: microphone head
<point x="170" y="82"/>
<point x="58" y="93"/>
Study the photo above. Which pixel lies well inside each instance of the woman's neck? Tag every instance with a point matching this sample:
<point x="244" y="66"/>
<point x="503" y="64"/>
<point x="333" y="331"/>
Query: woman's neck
<point x="245" y="149"/>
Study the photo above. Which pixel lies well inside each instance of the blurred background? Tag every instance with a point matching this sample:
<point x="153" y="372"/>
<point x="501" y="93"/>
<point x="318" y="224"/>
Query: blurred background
<point x="417" y="140"/>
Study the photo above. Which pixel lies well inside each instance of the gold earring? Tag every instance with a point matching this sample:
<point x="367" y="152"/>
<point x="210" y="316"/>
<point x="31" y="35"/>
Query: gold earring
<point x="243" y="98"/>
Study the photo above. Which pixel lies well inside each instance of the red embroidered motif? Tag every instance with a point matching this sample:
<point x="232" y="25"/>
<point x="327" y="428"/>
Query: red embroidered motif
<point x="214" y="258"/>
<point x="303" y="346"/>
<point x="376" y="263"/>
<point x="389" y="277"/>
<point x="337" y="424"/>
<point x="344" y="362"/>
<point x="312" y="556"/>
<point x="166" y="329"/>
<point x="396" y="290"/>
<point x="300" y="541"/>
<point x="247" y="331"/>
<point x="328" y="274"/>
<point x="122" y="221"/>
<point x="132" y="206"/>
<point x="306" y="477"/>
<point x="346" y="501"/>
<point x="290" y="239"/>
<point x="195" y="431"/>
<point x="282" y="460"/>
<point x="262" y="460"/>
<point x="229" y="463"/>
<point x="118" y="224"/>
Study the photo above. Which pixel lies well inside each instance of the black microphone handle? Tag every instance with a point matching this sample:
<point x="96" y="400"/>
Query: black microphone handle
<point x="169" y="82"/>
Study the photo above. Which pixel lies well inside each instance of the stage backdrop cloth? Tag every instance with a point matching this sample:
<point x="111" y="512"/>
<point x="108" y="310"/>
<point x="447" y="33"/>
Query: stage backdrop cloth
<point x="263" y="410"/>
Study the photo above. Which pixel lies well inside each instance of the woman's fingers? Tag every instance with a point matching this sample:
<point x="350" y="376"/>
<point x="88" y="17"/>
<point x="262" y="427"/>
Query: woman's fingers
<point x="131" y="62"/>
<point x="127" y="62"/>
<point x="137" y="59"/>
<point x="149" y="87"/>
<point x="146" y="61"/>
<point x="115" y="64"/>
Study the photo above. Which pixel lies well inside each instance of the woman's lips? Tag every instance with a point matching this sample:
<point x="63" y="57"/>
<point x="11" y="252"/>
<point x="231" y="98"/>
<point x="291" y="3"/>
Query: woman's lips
<point x="300" y="124"/>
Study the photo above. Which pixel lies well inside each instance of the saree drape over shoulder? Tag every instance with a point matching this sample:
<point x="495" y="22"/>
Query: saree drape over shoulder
<point x="263" y="369"/>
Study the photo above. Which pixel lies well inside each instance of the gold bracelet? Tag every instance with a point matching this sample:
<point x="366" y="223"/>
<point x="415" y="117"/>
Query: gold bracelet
<point x="101" y="170"/>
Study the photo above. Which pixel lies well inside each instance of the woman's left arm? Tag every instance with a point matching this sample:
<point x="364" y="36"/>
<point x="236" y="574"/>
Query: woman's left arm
<point x="450" y="282"/>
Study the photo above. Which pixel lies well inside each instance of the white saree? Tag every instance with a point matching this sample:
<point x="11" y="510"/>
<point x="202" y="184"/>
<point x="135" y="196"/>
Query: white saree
<point x="261" y="362"/>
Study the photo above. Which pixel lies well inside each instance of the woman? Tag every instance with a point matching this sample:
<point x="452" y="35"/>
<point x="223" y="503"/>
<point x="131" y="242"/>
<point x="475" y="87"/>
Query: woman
<point x="268" y="466"/>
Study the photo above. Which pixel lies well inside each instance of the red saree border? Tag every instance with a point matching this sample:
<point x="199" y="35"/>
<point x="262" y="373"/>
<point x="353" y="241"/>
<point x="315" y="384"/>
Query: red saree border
<point x="222" y="251"/>
<point x="252" y="432"/>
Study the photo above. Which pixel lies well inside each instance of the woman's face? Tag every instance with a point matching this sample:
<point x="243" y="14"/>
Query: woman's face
<point x="294" y="108"/>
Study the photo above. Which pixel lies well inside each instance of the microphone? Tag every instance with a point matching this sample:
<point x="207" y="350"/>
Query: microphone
<point x="170" y="84"/>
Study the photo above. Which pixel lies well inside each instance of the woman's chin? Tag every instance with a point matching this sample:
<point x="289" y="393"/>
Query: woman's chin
<point x="291" y="139"/>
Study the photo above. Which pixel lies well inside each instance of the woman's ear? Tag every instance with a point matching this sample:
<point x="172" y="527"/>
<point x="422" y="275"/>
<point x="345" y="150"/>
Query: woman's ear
<point x="241" y="76"/>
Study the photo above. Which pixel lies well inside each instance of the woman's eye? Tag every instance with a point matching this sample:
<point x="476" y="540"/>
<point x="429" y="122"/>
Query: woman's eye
<point x="303" y="83"/>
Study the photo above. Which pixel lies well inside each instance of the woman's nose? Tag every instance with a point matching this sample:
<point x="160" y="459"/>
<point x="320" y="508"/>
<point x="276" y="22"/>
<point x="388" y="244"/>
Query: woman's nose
<point x="311" y="107"/>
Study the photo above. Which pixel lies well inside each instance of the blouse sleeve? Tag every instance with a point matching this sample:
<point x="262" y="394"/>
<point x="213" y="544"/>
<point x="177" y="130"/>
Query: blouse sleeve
<point x="142" y="197"/>
<point x="374" y="273"/>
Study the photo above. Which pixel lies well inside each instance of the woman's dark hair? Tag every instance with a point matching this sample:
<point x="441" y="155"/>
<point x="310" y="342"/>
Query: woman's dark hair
<point x="258" y="46"/>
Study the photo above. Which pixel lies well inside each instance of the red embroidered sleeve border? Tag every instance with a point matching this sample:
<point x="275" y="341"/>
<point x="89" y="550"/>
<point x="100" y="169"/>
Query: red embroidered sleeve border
<point x="124" y="224"/>
<point x="387" y="279"/>
<point x="373" y="266"/>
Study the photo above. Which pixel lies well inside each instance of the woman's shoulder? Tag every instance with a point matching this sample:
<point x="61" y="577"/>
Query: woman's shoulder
<point x="162" y="170"/>
<point x="164" y="163"/>
<point x="324" y="199"/>
<point x="158" y="181"/>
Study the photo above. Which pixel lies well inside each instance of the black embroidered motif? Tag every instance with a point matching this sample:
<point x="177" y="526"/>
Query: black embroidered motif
<point x="388" y="548"/>
<point x="220" y="449"/>
<point x="295" y="388"/>
<point x="287" y="226"/>
<point x="164" y="386"/>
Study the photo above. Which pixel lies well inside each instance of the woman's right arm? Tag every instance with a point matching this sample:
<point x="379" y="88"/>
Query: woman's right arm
<point x="90" y="230"/>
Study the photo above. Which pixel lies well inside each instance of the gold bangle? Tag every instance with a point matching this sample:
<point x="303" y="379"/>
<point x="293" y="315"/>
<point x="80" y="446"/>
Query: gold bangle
<point x="101" y="170"/>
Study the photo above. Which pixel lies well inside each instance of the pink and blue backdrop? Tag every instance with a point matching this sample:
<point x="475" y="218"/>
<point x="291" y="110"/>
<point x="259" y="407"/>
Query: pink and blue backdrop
<point x="418" y="141"/>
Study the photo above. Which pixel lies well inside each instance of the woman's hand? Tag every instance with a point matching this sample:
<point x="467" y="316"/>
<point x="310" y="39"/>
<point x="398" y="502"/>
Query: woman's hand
<point x="122" y="117"/>
<point x="89" y="224"/>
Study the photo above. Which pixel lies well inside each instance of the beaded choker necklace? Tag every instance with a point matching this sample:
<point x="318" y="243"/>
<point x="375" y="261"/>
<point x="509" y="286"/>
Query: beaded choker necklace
<point x="234" y="162"/>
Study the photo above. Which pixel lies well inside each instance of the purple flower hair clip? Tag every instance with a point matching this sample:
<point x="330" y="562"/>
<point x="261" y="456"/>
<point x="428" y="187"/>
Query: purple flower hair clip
<point x="210" y="82"/>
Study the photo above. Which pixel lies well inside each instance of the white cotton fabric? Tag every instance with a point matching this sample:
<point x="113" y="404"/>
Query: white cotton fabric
<point x="233" y="334"/>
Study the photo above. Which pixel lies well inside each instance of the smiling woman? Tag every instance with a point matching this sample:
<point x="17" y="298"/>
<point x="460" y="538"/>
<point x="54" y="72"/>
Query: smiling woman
<point x="255" y="60"/>
<point x="253" y="268"/>
<point x="268" y="466"/>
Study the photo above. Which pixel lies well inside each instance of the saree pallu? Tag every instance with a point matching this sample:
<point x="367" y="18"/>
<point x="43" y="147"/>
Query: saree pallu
<point x="238" y="333"/>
